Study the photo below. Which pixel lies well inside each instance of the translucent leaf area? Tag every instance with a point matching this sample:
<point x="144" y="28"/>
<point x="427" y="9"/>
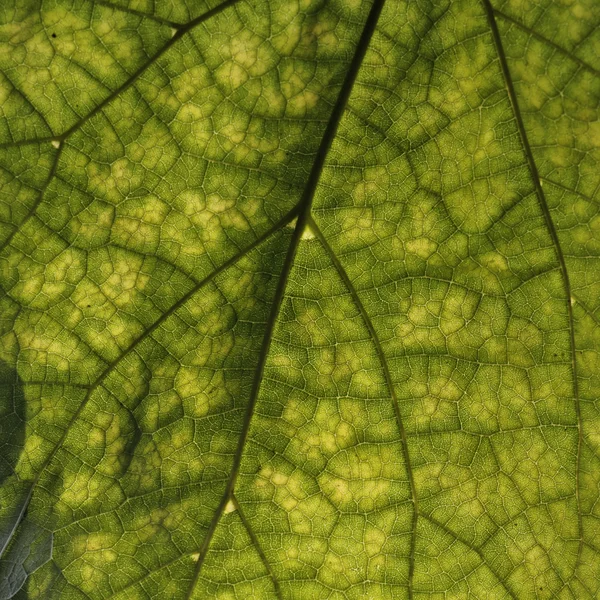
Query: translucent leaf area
<point x="299" y="299"/>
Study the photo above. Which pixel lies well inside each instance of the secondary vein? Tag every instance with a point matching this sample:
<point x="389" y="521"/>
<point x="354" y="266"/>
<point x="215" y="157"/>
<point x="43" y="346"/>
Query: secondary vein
<point x="545" y="40"/>
<point x="111" y="366"/>
<point x="390" y="384"/>
<point x="554" y="236"/>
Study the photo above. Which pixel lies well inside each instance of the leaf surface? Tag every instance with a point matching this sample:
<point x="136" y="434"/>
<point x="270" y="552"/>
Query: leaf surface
<point x="299" y="299"/>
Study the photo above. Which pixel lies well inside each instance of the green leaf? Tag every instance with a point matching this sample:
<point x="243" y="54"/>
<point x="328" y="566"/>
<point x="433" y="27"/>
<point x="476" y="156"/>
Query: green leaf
<point x="299" y="299"/>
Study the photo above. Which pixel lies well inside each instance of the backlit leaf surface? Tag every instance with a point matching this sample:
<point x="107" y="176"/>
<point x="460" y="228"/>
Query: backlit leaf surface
<point x="299" y="299"/>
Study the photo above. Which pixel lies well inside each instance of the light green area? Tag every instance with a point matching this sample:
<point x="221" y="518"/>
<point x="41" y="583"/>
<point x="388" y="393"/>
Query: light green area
<point x="176" y="11"/>
<point x="299" y="300"/>
<point x="558" y="90"/>
<point x="233" y="569"/>
<point x="60" y="58"/>
<point x="323" y="479"/>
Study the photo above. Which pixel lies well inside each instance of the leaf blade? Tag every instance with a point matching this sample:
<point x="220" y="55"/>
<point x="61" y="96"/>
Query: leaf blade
<point x="408" y="396"/>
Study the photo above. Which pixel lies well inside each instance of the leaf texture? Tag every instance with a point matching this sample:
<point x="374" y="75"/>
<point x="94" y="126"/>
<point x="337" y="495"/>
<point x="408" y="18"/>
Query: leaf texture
<point x="299" y="299"/>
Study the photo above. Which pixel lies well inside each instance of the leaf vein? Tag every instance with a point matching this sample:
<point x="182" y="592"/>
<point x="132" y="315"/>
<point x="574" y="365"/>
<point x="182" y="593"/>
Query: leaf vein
<point x="554" y="235"/>
<point x="388" y="378"/>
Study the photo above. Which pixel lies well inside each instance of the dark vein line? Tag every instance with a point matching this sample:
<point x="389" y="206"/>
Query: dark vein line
<point x="181" y="31"/>
<point x="262" y="359"/>
<point x="24" y="95"/>
<point x="148" y="572"/>
<point x="567" y="189"/>
<point x="259" y="549"/>
<point x="303" y="207"/>
<point x="86" y="69"/>
<point x="37" y="202"/>
<point x="137" y="13"/>
<point x="18" y="520"/>
<point x="545" y="40"/>
<point x="339" y="108"/>
<point x="77" y="335"/>
<point x="388" y="379"/>
<point x="136" y="497"/>
<point x="81" y="386"/>
<point x="554" y="235"/>
<point x="266" y="345"/>
<point x="586" y="308"/>
<point x="29" y="142"/>
<point x="147" y="332"/>
<point x="584" y="584"/>
<point x="473" y="433"/>
<point x="468" y="544"/>
<point x="172" y="561"/>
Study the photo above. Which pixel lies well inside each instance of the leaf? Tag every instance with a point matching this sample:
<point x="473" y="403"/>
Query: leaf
<point x="300" y="299"/>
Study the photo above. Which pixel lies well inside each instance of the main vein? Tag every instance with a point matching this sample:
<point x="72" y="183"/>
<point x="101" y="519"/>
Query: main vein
<point x="132" y="346"/>
<point x="304" y="207"/>
<point x="259" y="549"/>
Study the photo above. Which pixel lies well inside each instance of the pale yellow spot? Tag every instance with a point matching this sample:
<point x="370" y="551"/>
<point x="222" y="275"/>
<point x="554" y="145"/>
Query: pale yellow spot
<point x="422" y="247"/>
<point x="340" y="491"/>
<point x="96" y="437"/>
<point x="495" y="261"/>
<point x="31" y="450"/>
<point x="31" y="287"/>
<point x="289" y="503"/>
<point x="308" y="233"/>
<point x="279" y="479"/>
<point x="109" y="556"/>
<point x="233" y="74"/>
<point x="581" y="12"/>
<point x="180" y="438"/>
<point x="363" y="190"/>
<point x="98" y="541"/>
<point x="374" y="541"/>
